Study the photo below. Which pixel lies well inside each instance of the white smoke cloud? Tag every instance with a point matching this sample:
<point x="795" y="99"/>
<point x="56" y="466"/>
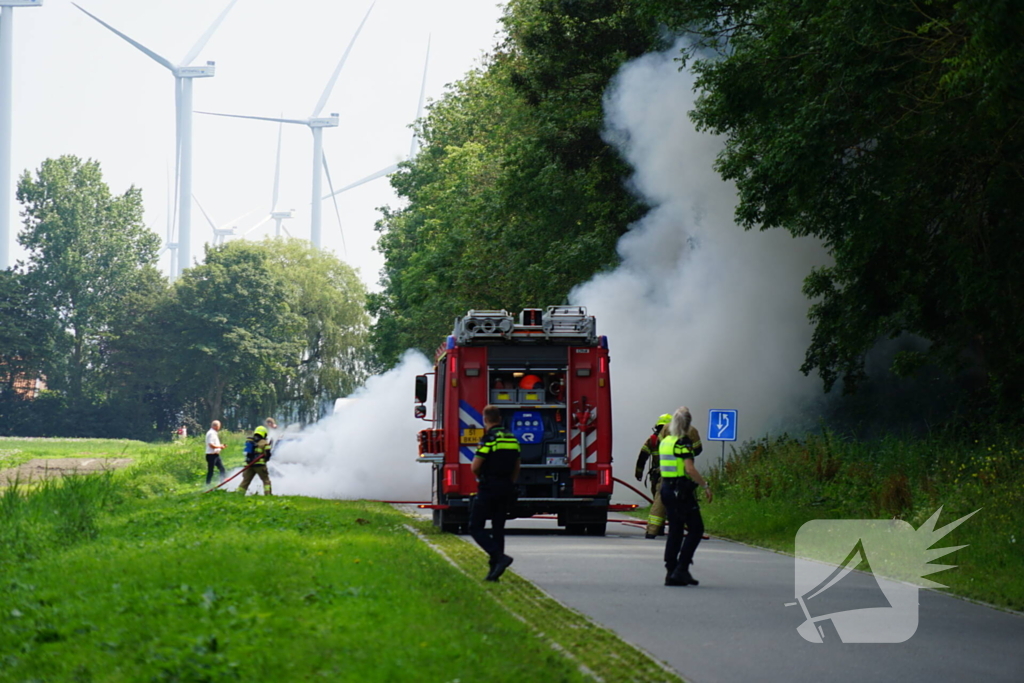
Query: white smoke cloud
<point x="700" y="312"/>
<point x="367" y="449"/>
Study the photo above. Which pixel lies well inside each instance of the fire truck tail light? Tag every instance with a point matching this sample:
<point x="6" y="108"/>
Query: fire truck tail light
<point x="604" y="365"/>
<point x="449" y="477"/>
<point x="606" y="478"/>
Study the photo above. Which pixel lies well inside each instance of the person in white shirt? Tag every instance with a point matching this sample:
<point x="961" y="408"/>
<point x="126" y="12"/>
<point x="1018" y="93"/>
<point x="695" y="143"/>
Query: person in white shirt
<point x="271" y="425"/>
<point x="213" y="449"/>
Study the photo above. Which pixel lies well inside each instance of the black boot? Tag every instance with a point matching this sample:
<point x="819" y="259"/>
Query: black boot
<point x="498" y="568"/>
<point x="681" y="577"/>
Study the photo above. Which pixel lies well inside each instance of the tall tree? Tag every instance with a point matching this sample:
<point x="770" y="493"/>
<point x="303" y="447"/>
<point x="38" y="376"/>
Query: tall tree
<point x="515" y="197"/>
<point x="236" y="333"/>
<point x="894" y="132"/>
<point x="86" y="251"/>
<point x="24" y="332"/>
<point x="330" y="299"/>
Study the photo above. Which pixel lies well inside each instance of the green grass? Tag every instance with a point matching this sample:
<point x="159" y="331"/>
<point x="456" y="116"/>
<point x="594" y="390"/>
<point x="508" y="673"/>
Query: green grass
<point x="17" y="451"/>
<point x="593" y="646"/>
<point x="134" y="575"/>
<point x="771" y="487"/>
<point x="222" y="587"/>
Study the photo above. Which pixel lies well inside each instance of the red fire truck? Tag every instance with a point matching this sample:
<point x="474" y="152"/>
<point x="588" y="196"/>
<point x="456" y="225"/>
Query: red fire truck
<point x="548" y="372"/>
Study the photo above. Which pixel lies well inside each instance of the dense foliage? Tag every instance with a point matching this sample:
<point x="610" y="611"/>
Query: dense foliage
<point x="771" y="487"/>
<point x="275" y="327"/>
<point x="890" y="130"/>
<point x="893" y="131"/>
<point x="514" y="198"/>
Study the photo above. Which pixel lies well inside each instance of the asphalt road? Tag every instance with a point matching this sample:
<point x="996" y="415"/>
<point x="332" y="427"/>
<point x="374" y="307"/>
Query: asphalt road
<point x="735" y="627"/>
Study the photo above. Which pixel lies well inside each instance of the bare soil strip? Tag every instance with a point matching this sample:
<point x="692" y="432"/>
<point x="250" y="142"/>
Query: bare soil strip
<point x="48" y="468"/>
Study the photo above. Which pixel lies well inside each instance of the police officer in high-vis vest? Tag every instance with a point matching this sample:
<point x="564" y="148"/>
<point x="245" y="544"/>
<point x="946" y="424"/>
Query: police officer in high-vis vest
<point x="679" y="483"/>
<point x="656" y="517"/>
<point x="257" y="450"/>
<point x="496" y="466"/>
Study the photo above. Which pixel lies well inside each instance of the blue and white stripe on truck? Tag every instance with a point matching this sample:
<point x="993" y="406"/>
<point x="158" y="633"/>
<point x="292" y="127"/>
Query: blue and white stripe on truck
<point x="469" y="418"/>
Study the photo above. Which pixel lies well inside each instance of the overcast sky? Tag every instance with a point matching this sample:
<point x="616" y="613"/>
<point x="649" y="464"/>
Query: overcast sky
<point x="79" y="89"/>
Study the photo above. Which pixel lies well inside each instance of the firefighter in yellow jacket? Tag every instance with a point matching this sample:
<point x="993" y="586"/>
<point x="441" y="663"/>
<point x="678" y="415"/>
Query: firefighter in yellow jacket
<point x="656" y="517"/>
<point x="257" y="453"/>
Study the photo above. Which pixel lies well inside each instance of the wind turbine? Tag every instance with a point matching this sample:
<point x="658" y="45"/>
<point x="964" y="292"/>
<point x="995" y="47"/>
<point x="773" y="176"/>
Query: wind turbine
<point x="316" y="124"/>
<point x="183" y="76"/>
<point x="275" y="214"/>
<point x="414" y="148"/>
<point x="6" y="120"/>
<point x="221" y="232"/>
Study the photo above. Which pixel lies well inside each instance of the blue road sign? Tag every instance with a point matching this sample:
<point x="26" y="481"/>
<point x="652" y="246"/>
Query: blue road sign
<point x="722" y="425"/>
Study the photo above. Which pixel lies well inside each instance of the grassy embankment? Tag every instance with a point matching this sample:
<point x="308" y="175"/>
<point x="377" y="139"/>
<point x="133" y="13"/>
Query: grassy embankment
<point x="771" y="487"/>
<point x="133" y="575"/>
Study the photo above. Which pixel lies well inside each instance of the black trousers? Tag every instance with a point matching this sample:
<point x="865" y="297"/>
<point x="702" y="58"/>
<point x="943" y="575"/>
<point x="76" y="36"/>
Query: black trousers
<point x="682" y="509"/>
<point x="213" y="460"/>
<point x="492" y="502"/>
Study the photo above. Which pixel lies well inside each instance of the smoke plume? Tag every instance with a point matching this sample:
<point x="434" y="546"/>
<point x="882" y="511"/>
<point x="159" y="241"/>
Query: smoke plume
<point x="700" y="312"/>
<point x="367" y="449"/>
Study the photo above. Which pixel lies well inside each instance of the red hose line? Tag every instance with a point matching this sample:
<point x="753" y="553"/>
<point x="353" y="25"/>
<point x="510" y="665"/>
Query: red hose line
<point x="236" y="474"/>
<point x="630" y="486"/>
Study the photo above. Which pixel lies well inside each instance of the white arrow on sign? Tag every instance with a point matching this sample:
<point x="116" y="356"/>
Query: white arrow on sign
<point x="722" y="427"/>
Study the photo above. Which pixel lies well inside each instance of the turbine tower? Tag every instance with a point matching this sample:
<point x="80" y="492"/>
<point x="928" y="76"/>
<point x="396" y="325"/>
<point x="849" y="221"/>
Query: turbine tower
<point x="316" y="124"/>
<point x="6" y="119"/>
<point x="183" y="76"/>
<point x="414" y="147"/>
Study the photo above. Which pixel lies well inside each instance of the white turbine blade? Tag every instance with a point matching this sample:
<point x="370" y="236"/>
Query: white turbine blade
<point x="235" y="221"/>
<point x="379" y="174"/>
<point x="266" y="219"/>
<point x="415" y="146"/>
<point x="162" y="61"/>
<point x="209" y="220"/>
<point x="205" y="38"/>
<point x="337" y="211"/>
<point x="255" y="118"/>
<point x="337" y="70"/>
<point x="277" y="168"/>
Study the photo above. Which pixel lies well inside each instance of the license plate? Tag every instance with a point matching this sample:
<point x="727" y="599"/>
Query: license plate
<point x="472" y="435"/>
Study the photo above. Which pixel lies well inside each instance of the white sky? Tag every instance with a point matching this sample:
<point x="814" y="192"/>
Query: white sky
<point x="79" y="89"/>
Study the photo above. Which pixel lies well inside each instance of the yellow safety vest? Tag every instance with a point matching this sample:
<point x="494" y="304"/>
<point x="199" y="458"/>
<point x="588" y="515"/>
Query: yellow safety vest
<point x="671" y="455"/>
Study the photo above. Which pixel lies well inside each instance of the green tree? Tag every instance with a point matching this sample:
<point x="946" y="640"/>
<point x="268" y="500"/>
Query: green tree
<point x="330" y="300"/>
<point x="86" y="251"/>
<point x="141" y="357"/>
<point x="235" y="332"/>
<point x="24" y="332"/>
<point x="515" y="197"/>
<point x="894" y="132"/>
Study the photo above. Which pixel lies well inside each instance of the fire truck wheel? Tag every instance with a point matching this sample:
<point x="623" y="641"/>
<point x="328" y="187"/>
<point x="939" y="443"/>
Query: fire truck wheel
<point x="596" y="529"/>
<point x="452" y="524"/>
<point x="576" y="529"/>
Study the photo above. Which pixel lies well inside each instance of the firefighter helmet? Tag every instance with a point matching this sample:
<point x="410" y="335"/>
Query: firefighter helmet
<point x="531" y="382"/>
<point x="261" y="432"/>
